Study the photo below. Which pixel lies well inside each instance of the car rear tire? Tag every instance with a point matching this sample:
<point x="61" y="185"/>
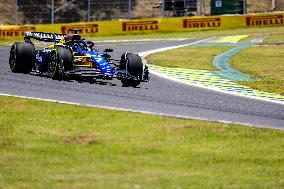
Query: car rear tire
<point x="22" y="57"/>
<point x="134" y="66"/>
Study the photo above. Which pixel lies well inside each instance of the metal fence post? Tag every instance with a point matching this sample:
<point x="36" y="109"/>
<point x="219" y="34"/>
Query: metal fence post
<point x="52" y="11"/>
<point x="273" y="5"/>
<point x="245" y="6"/>
<point x="89" y="10"/>
<point x="129" y="8"/>
<point x="201" y="8"/>
<point x="163" y="8"/>
<point x="16" y="12"/>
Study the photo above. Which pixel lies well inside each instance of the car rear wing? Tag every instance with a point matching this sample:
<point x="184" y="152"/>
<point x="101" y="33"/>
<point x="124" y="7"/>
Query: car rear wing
<point x="41" y="36"/>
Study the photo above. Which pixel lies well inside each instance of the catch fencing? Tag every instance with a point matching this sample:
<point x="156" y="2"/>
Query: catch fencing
<point x="21" y="12"/>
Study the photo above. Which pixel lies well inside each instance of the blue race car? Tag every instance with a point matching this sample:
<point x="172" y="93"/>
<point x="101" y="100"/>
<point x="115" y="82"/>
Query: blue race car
<point x="72" y="56"/>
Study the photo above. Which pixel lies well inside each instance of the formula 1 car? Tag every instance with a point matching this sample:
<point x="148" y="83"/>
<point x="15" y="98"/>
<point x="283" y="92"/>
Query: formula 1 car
<point x="72" y="56"/>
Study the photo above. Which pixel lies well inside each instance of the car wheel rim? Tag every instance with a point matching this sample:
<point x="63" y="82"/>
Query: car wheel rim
<point x="52" y="65"/>
<point x="12" y="60"/>
<point x="61" y="69"/>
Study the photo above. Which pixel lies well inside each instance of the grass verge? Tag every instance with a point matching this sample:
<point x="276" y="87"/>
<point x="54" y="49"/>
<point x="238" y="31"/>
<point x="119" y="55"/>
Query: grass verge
<point x="49" y="145"/>
<point x="188" y="57"/>
<point x="275" y="38"/>
<point x="265" y="63"/>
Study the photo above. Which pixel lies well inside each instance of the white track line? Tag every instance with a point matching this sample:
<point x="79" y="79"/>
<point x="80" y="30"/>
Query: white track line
<point x="137" y="111"/>
<point x="138" y="40"/>
<point x="147" y="53"/>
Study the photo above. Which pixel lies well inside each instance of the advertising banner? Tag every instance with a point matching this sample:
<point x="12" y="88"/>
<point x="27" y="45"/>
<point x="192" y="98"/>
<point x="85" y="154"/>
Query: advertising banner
<point x="140" y="26"/>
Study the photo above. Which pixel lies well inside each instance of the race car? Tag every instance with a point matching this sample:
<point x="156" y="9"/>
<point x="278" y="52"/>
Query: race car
<point x="70" y="56"/>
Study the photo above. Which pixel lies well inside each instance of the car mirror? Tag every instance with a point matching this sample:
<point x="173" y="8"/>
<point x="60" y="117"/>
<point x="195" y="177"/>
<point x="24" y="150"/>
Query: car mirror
<point x="90" y="44"/>
<point x="108" y="50"/>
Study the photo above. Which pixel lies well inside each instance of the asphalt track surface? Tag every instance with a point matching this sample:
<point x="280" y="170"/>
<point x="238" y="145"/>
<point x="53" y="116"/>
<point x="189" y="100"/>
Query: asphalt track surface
<point x="159" y="96"/>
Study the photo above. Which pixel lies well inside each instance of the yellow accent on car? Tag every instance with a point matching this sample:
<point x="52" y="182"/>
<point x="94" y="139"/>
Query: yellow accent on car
<point x="83" y="61"/>
<point x="51" y="46"/>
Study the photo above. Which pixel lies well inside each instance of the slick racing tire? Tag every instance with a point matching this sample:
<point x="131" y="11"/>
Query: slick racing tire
<point x="61" y="60"/>
<point x="22" y="57"/>
<point x="65" y="55"/>
<point x="134" y="66"/>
